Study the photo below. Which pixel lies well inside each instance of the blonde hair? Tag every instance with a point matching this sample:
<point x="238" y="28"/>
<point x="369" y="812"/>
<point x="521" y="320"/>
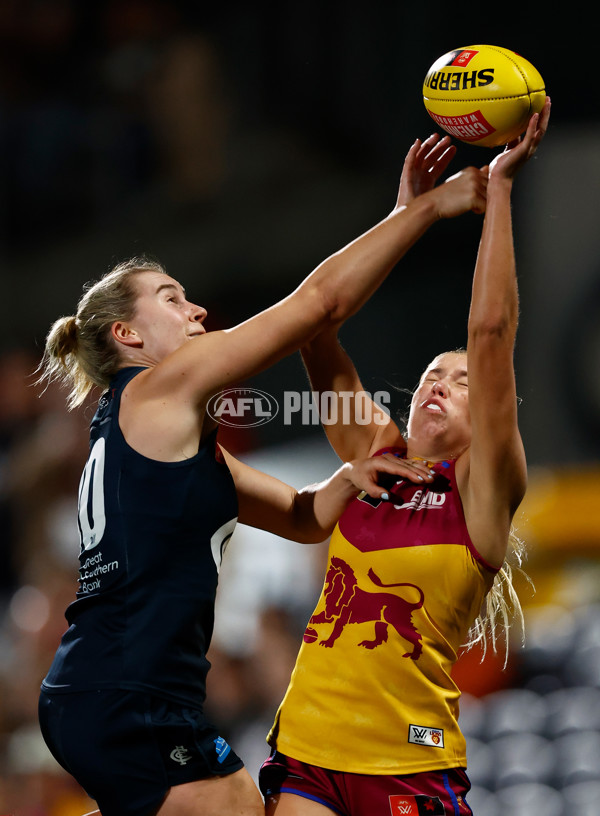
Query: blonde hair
<point x="79" y="351"/>
<point x="502" y="607"/>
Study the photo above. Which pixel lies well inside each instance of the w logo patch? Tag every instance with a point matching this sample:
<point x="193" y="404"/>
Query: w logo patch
<point x="416" y="806"/>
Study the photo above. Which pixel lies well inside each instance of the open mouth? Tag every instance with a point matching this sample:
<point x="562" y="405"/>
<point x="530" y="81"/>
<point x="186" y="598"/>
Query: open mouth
<point x="433" y="406"/>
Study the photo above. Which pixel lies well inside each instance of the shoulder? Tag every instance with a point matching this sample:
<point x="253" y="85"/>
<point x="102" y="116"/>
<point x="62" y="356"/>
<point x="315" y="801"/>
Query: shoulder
<point x="160" y="422"/>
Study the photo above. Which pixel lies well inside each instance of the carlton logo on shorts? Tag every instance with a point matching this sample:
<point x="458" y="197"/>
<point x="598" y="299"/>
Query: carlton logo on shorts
<point x="419" y="805"/>
<point x="180" y="754"/>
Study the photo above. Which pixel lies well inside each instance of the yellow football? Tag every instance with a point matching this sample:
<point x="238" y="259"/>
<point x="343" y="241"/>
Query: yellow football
<point x="483" y="94"/>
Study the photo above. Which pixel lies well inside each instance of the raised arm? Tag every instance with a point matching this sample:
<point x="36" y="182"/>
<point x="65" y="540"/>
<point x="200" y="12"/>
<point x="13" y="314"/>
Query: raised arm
<point x="334" y="291"/>
<point x="492" y="476"/>
<point x="362" y="427"/>
<point x="310" y="514"/>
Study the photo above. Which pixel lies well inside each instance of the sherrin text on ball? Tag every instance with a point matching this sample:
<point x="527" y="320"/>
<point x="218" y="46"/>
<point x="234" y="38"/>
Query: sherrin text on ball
<point x="483" y="94"/>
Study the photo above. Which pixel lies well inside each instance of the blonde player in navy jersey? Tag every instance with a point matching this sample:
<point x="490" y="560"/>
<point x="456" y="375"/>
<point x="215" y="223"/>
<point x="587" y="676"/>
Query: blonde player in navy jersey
<point x="121" y="705"/>
<point x="369" y="723"/>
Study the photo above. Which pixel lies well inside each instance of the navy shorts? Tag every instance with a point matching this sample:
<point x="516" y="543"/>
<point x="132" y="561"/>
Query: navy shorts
<point x="126" y="749"/>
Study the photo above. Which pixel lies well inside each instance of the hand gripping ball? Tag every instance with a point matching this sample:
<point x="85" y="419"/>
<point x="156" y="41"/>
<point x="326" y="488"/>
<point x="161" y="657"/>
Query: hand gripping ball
<point x="483" y="94"/>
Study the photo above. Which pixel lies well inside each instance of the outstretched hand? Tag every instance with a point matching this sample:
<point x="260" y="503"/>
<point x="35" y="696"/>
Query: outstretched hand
<point x="519" y="151"/>
<point x="466" y="191"/>
<point x="424" y="164"/>
<point x="366" y="474"/>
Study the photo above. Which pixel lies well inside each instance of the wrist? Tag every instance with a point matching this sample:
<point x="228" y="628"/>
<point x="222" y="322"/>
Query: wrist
<point x="425" y="206"/>
<point x="347" y="480"/>
<point x="500" y="184"/>
<point x="499" y="194"/>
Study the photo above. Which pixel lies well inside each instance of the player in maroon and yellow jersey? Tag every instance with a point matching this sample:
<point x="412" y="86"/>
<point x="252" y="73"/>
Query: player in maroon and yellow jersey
<point x="369" y="723"/>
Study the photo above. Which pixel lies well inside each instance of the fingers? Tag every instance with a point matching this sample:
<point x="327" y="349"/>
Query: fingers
<point x="480" y="194"/>
<point x="545" y="114"/>
<point x="406" y="191"/>
<point x="531" y="130"/>
<point x="412" y="153"/>
<point x="536" y="128"/>
<point x="369" y="474"/>
<point x="434" y="155"/>
<point x="443" y="161"/>
<point x="414" y="471"/>
<point x="424" y="163"/>
<point x="539" y="124"/>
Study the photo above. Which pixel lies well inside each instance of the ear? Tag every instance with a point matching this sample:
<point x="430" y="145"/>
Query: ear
<point x="123" y="333"/>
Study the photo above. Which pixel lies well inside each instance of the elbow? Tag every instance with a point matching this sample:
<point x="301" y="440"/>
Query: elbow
<point x="307" y="524"/>
<point x="314" y="536"/>
<point x="334" y="302"/>
<point x="493" y="331"/>
<point x="323" y="305"/>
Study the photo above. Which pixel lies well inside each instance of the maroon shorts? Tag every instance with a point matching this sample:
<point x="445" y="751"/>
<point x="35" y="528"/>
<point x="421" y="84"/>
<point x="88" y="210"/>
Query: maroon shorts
<point x="433" y="793"/>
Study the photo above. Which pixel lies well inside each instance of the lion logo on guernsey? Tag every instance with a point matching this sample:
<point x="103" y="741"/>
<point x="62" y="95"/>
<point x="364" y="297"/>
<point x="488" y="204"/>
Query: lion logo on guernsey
<point x="346" y="603"/>
<point x="420" y="805"/>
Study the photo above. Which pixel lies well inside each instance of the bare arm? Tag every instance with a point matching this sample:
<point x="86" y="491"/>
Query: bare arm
<point x="362" y="427"/>
<point x="334" y="291"/>
<point x="310" y="514"/>
<point x="492" y="476"/>
<point x="330" y="368"/>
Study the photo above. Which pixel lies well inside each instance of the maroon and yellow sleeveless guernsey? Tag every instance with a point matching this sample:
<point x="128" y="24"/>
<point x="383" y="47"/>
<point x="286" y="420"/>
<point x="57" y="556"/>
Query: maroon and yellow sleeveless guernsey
<point x="371" y="691"/>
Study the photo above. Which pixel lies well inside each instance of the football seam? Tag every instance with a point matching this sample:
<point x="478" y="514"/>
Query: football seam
<point x="497" y="98"/>
<point x="478" y="99"/>
<point x="514" y="62"/>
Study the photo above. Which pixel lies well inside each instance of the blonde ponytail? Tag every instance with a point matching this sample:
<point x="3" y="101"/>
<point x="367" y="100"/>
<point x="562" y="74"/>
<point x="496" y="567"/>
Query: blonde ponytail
<point x="60" y="360"/>
<point x="79" y="350"/>
<point x="502" y="607"/>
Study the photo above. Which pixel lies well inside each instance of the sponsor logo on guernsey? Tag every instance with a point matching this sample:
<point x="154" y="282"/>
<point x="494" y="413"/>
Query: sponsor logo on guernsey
<point x="180" y="754"/>
<point x="92" y="570"/>
<point x="222" y="749"/>
<point x="420" y="500"/>
<point x="420" y="805"/>
<point x="423" y="735"/>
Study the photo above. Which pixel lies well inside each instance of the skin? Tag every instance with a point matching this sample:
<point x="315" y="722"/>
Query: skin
<point x="163" y="409"/>
<point x="465" y="406"/>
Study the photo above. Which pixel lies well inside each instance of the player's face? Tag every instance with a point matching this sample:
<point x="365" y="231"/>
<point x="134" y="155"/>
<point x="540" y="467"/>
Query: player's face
<point x="440" y="405"/>
<point x="164" y="319"/>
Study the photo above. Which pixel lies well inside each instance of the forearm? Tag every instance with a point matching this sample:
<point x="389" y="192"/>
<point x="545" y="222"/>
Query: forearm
<point x="348" y="278"/>
<point x="355" y="421"/>
<point x="494" y="302"/>
<point x="318" y="507"/>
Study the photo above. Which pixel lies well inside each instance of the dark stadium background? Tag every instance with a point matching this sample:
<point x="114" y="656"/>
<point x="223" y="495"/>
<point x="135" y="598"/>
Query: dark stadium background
<point x="240" y="144"/>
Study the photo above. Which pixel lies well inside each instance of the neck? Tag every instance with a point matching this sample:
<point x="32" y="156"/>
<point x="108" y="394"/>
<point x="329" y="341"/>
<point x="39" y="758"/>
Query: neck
<point x="428" y="449"/>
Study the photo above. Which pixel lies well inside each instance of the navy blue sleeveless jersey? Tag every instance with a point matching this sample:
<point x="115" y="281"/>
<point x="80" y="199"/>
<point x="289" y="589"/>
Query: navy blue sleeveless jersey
<point x="152" y="537"/>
